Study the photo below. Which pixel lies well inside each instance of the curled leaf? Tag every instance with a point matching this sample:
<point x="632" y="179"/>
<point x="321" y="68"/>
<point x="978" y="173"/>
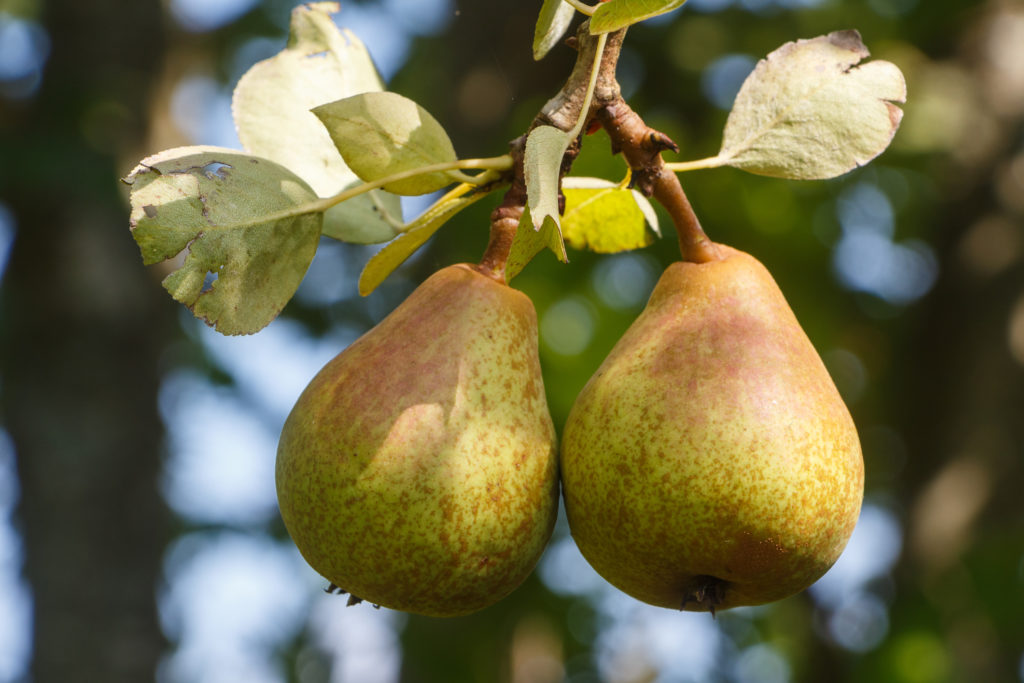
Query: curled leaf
<point x="380" y="134"/>
<point x="530" y="241"/>
<point x="605" y="217"/>
<point x="809" y="111"/>
<point x="542" y="164"/>
<point x="272" y="104"/>
<point x="239" y="217"/>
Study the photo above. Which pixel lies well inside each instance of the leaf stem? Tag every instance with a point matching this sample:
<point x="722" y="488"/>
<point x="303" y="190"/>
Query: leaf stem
<point x="492" y="167"/>
<point x="582" y="8"/>
<point x="588" y="99"/>
<point x="696" y="165"/>
<point x="502" y="163"/>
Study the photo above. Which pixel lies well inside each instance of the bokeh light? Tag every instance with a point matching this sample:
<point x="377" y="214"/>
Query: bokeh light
<point x="16" y="605"/>
<point x="24" y="49"/>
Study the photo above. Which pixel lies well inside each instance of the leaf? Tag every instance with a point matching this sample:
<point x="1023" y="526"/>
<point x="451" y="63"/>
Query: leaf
<point x="808" y="112"/>
<point x="553" y="22"/>
<point x="394" y="254"/>
<point x="616" y="14"/>
<point x="382" y="133"/>
<point x="271" y="107"/>
<point x="605" y="217"/>
<point x="230" y="211"/>
<point x="530" y="241"/>
<point x="542" y="167"/>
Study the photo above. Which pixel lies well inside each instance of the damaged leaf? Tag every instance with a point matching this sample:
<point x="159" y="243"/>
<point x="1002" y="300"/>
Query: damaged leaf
<point x="247" y="251"/>
<point x="811" y="110"/>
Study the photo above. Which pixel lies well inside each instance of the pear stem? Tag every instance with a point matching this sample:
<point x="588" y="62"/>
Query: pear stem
<point x="641" y="147"/>
<point x="505" y="218"/>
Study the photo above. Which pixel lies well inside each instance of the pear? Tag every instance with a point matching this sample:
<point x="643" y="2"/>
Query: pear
<point x="418" y="470"/>
<point x="710" y="461"/>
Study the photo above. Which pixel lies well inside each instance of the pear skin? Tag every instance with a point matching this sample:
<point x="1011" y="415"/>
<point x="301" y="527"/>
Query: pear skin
<point x="710" y="461"/>
<point x="418" y="470"/>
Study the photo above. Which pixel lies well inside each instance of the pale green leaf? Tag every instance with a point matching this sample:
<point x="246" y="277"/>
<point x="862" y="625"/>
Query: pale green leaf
<point x="530" y="241"/>
<point x="616" y="14"/>
<point x="555" y="17"/>
<point x="808" y="111"/>
<point x="271" y="107"/>
<point x="605" y="217"/>
<point x="394" y="254"/>
<point x="542" y="164"/>
<point x="232" y="213"/>
<point x="380" y="134"/>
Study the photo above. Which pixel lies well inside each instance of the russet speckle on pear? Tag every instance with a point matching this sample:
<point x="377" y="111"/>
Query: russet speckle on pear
<point x="418" y="470"/>
<point x="710" y="462"/>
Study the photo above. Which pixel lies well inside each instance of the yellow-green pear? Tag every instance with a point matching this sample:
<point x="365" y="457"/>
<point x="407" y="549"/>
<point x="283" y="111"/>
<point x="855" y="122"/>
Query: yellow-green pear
<point x="710" y="461"/>
<point x="418" y="470"/>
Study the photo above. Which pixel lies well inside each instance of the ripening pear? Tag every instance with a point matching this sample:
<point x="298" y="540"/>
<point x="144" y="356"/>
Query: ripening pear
<point x="710" y="462"/>
<point x="418" y="470"/>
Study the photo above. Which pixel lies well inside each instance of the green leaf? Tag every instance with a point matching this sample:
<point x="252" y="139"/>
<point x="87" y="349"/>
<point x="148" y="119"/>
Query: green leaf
<point x="605" y="217"/>
<point x="382" y="133"/>
<point x="553" y="22"/>
<point x="616" y="14"/>
<point x="233" y="213"/>
<point x="542" y="165"/>
<point x="809" y="112"/>
<point x="394" y="254"/>
<point x="272" y="103"/>
<point x="530" y="241"/>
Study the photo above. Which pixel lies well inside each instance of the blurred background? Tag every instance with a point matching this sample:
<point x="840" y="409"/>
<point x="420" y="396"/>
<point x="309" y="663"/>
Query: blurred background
<point x="139" y="535"/>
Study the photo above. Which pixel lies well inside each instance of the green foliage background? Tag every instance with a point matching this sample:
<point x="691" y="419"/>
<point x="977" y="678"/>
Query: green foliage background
<point x="938" y="392"/>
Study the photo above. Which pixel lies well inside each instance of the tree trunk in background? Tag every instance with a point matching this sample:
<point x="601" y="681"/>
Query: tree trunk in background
<point x="80" y="342"/>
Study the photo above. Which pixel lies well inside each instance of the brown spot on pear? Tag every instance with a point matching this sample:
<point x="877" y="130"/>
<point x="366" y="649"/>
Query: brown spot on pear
<point x="418" y="470"/>
<point x="710" y="461"/>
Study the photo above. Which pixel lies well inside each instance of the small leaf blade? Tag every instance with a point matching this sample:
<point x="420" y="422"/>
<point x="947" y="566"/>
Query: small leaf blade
<point x="380" y="134"/>
<point x="271" y="107"/>
<point x="616" y="14"/>
<point x="231" y="212"/>
<point x="809" y="112"/>
<point x="553" y="22"/>
<point x="395" y="253"/>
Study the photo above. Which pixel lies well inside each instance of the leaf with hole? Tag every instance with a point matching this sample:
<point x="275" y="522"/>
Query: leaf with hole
<point x="616" y="14"/>
<point x="235" y="215"/>
<point x="808" y="111"/>
<point x="605" y="217"/>
<point x="380" y="134"/>
<point x="555" y="17"/>
<point x="271" y="107"/>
